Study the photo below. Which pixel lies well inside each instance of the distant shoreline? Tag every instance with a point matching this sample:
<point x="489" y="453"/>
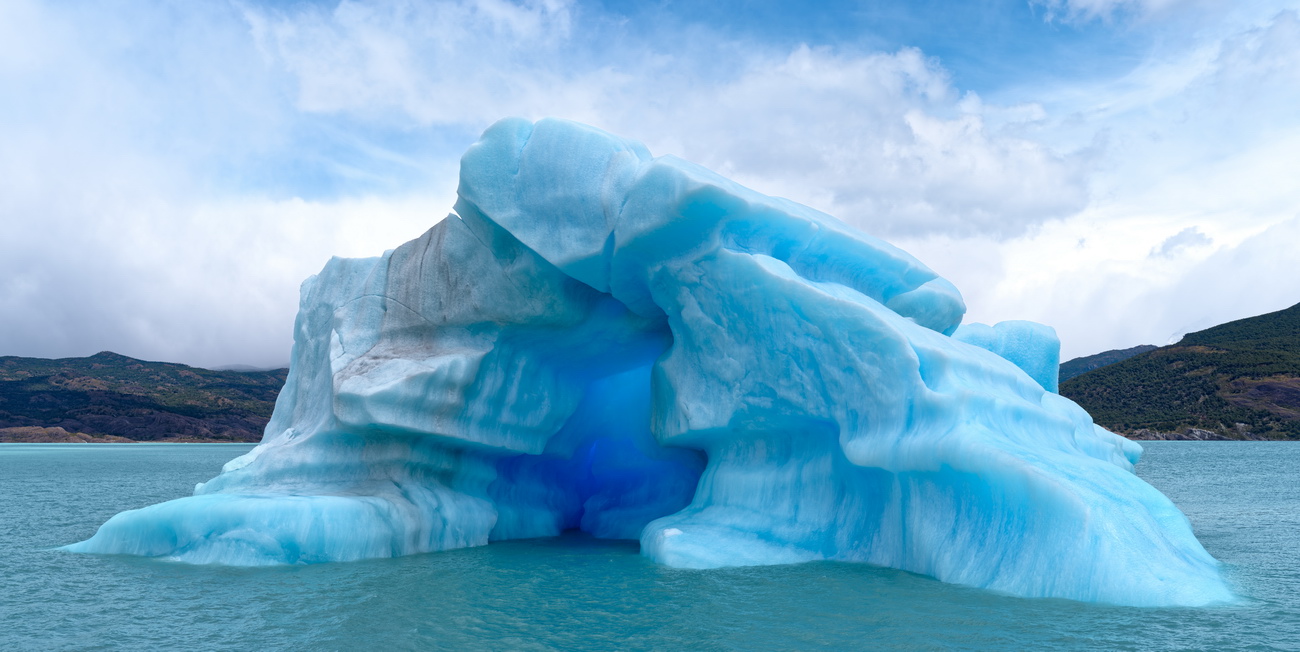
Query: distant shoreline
<point x="57" y="435"/>
<point x="112" y="398"/>
<point x="128" y="443"/>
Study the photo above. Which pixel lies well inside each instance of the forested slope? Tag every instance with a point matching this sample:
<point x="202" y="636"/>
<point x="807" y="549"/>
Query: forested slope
<point x="109" y="395"/>
<point x="1238" y="379"/>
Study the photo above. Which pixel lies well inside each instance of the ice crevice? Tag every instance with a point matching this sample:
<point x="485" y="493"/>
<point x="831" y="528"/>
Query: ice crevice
<point x="638" y="348"/>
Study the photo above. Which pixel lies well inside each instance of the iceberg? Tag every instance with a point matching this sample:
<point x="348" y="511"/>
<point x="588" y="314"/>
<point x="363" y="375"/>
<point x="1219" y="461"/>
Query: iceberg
<point x="636" y="347"/>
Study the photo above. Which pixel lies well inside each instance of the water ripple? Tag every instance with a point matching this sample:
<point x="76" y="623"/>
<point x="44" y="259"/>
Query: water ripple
<point x="575" y="593"/>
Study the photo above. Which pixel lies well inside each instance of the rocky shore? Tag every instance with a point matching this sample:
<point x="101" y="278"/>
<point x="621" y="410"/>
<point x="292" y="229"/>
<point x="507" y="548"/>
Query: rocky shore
<point x="38" y="435"/>
<point x="1192" y="434"/>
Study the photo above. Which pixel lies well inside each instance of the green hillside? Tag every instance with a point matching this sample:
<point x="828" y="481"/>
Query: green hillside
<point x="1237" y="378"/>
<point x="109" y="395"/>
<point x="1080" y="366"/>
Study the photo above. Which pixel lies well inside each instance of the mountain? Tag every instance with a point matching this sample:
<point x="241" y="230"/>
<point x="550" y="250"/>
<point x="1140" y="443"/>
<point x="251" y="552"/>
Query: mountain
<point x="1237" y="380"/>
<point x="108" y="396"/>
<point x="1080" y="366"/>
<point x="245" y="367"/>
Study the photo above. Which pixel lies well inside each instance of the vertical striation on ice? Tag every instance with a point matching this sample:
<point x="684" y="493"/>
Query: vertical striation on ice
<point x="636" y="347"/>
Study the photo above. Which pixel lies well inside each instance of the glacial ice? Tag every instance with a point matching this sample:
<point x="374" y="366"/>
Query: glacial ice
<point x="639" y="348"/>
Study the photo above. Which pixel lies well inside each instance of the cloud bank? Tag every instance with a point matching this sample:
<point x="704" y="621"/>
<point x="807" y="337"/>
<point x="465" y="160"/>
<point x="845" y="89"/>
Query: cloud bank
<point x="172" y="172"/>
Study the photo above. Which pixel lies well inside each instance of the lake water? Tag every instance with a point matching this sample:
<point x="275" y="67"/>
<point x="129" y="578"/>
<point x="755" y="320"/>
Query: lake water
<point x="578" y="593"/>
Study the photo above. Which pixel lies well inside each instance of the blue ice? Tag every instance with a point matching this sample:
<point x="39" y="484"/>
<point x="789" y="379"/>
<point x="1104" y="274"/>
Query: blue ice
<point x="636" y="347"/>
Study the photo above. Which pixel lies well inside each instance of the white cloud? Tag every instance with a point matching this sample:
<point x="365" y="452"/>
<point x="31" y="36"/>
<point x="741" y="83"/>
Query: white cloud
<point x="1176" y="243"/>
<point x="463" y="61"/>
<point x="1198" y="160"/>
<point x="1254" y="277"/>
<point x="1086" y="10"/>
<point x="207" y="284"/>
<point x="115" y="232"/>
<point x="881" y="139"/>
<point x="133" y="218"/>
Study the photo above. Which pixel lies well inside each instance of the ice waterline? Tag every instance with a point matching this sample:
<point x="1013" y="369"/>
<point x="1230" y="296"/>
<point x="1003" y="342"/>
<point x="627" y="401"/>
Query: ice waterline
<point x="639" y="348"/>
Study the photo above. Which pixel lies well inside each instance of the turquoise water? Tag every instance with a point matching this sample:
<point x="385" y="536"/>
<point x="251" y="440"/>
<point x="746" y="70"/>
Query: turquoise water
<point x="579" y="593"/>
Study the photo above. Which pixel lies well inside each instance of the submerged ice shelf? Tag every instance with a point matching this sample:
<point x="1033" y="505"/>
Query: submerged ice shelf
<point x="639" y="348"/>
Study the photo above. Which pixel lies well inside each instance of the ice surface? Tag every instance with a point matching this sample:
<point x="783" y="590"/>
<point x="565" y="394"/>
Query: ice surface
<point x="639" y="348"/>
<point x="1031" y="346"/>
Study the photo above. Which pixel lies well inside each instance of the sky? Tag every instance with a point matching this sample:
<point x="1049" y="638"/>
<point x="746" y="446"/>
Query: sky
<point x="1124" y="171"/>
